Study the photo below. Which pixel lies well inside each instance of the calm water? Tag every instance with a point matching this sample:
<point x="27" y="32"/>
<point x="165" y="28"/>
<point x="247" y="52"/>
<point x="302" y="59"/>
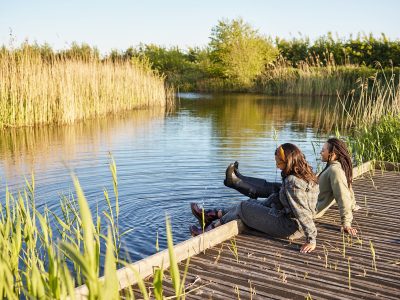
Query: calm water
<point x="164" y="160"/>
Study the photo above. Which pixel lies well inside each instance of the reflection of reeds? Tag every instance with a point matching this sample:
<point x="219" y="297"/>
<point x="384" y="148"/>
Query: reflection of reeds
<point x="33" y="91"/>
<point x="23" y="148"/>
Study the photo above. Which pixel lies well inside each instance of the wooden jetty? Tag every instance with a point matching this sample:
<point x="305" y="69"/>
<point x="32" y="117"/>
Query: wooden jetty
<point x="233" y="262"/>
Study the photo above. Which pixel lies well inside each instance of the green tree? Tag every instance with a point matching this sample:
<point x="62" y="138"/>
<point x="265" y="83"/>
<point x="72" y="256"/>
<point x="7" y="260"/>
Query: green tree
<point x="82" y="52"/>
<point x="295" y="50"/>
<point x="239" y="52"/>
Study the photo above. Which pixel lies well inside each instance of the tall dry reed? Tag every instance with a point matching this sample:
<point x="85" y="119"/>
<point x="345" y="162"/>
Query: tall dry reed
<point x="375" y="99"/>
<point x="311" y="77"/>
<point x="369" y="118"/>
<point x="63" y="90"/>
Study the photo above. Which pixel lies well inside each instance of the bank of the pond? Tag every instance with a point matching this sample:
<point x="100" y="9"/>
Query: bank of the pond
<point x="64" y="89"/>
<point x="314" y="80"/>
<point x="305" y="80"/>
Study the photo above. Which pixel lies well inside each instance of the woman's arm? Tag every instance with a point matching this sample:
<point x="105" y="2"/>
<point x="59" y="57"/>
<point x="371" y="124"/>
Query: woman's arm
<point x="342" y="194"/>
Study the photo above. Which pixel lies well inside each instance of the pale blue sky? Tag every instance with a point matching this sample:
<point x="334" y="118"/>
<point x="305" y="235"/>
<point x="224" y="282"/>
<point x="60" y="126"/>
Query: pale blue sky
<point x="120" y="24"/>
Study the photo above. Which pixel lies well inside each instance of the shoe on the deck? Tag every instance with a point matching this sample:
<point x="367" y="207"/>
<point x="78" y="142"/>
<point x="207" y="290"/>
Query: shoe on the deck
<point x="209" y="215"/>
<point x="195" y="231"/>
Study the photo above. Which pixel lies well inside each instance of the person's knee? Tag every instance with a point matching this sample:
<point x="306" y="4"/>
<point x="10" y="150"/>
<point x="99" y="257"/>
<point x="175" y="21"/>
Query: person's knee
<point x="248" y="213"/>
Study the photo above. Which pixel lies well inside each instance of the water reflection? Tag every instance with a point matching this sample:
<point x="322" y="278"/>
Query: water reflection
<point x="250" y="115"/>
<point x="164" y="161"/>
<point x="39" y="148"/>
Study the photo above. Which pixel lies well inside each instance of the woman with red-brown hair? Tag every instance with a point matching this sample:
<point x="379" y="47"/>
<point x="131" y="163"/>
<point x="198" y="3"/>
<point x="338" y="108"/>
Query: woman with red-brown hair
<point x="285" y="213"/>
<point x="335" y="183"/>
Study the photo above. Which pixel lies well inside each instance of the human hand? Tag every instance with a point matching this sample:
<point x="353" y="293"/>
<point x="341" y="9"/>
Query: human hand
<point x="350" y="230"/>
<point x="307" y="248"/>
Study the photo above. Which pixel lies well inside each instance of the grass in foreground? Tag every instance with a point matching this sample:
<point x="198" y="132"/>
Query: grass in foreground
<point x="34" y="265"/>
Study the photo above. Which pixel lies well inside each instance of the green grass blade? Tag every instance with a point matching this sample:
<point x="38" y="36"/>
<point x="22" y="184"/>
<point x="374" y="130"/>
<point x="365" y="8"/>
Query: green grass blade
<point x="80" y="260"/>
<point x="139" y="279"/>
<point x="173" y="268"/>
<point x="87" y="225"/>
<point x="157" y="282"/>
<point x="111" y="286"/>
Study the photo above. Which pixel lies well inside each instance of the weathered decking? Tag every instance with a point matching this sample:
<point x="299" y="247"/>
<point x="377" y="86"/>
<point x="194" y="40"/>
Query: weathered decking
<point x="340" y="268"/>
<point x="268" y="268"/>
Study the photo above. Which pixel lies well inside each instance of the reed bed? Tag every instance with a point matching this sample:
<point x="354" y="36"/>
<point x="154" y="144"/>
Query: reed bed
<point x="370" y="118"/>
<point x="374" y="100"/>
<point x="63" y="90"/>
<point x="313" y="77"/>
<point x="379" y="142"/>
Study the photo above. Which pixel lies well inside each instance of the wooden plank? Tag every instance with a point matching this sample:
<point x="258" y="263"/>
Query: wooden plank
<point x="387" y="166"/>
<point x="183" y="250"/>
<point x="361" y="169"/>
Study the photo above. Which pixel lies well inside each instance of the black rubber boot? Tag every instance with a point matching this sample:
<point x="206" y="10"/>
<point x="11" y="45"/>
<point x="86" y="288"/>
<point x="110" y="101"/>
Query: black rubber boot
<point x="249" y="186"/>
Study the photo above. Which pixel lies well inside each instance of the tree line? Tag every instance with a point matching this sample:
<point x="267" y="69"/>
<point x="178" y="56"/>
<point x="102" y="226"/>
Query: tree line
<point x="238" y="56"/>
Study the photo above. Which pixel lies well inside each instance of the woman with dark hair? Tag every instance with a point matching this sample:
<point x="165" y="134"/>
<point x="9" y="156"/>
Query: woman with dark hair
<point x="285" y="213"/>
<point x="335" y="183"/>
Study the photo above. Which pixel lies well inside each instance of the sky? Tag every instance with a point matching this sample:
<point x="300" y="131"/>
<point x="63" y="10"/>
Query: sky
<point x="120" y="24"/>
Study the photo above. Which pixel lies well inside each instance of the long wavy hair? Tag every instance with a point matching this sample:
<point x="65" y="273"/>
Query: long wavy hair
<point x="343" y="156"/>
<point x="295" y="163"/>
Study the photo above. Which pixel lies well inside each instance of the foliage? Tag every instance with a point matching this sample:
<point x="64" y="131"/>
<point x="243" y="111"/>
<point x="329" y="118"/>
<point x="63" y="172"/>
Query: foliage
<point x="78" y="52"/>
<point x="371" y="119"/>
<point x="361" y="50"/>
<point x="36" y="266"/>
<point x="239" y="52"/>
<point x="44" y="255"/>
<point x="180" y="68"/>
<point x="294" y="50"/>
<point x="311" y="78"/>
<point x="82" y="52"/>
<point x="239" y="58"/>
<point x="380" y="142"/>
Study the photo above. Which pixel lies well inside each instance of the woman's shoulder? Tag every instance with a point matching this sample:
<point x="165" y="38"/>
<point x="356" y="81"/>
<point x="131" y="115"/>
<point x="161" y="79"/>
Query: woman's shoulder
<point x="336" y="168"/>
<point x="296" y="182"/>
<point x="297" y="185"/>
